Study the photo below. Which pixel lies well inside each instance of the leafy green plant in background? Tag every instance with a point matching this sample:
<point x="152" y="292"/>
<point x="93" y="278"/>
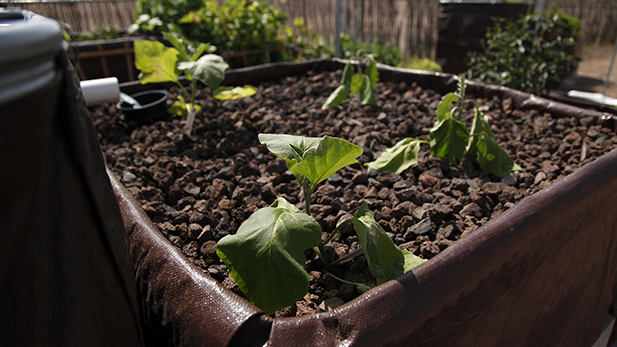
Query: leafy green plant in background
<point x="385" y="53"/>
<point x="158" y="63"/>
<point x="417" y="63"/>
<point x="308" y="45"/>
<point x="360" y="84"/>
<point x="266" y="257"/>
<point x="531" y="54"/>
<point x="155" y="17"/>
<point x="450" y="140"/>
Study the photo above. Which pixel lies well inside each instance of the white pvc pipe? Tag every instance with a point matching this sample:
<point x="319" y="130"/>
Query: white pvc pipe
<point x="100" y="91"/>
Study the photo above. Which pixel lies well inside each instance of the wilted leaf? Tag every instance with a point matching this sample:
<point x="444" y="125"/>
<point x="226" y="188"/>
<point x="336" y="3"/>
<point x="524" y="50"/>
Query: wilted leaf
<point x="233" y="93"/>
<point x="338" y="97"/>
<point x="399" y="157"/>
<point x="386" y="261"/>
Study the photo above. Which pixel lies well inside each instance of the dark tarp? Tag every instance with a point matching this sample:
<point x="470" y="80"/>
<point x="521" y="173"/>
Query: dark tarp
<point x="541" y="274"/>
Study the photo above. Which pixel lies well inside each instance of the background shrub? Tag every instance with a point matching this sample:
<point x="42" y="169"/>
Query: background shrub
<point x="531" y="54"/>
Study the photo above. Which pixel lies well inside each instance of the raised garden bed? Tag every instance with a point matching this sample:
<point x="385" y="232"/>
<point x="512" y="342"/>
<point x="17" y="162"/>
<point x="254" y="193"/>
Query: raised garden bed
<point x="197" y="189"/>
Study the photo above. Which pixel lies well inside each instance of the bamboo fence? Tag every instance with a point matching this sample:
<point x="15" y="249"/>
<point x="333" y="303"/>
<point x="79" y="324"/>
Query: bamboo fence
<point x="408" y="24"/>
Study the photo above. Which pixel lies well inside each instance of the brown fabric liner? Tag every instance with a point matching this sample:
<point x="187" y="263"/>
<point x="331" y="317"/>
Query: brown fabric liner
<point x="65" y="273"/>
<point x="544" y="273"/>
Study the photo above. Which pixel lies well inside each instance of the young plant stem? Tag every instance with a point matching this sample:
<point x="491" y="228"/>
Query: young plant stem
<point x="336" y="230"/>
<point x="347" y="282"/>
<point x="323" y="256"/>
<point x="307" y="186"/>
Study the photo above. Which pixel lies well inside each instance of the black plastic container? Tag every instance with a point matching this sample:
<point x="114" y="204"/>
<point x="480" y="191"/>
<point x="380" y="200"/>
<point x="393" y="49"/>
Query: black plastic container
<point x="65" y="274"/>
<point x="153" y="107"/>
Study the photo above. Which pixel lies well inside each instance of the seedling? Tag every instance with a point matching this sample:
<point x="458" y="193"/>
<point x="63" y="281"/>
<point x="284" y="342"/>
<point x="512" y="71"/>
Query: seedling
<point x="449" y="140"/>
<point x="158" y="63"/>
<point x="360" y="84"/>
<point x="266" y="256"/>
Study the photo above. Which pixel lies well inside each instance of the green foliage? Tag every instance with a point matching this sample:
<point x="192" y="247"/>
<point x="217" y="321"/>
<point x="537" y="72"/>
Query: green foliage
<point x="424" y="64"/>
<point x="266" y="255"/>
<point x="385" y="260"/>
<point x="100" y="32"/>
<point x="158" y="16"/>
<point x="308" y="45"/>
<point x="158" y="63"/>
<point x="232" y="27"/>
<point x="449" y="140"/>
<point x="385" y="53"/>
<point x="532" y="55"/>
<point x="399" y="158"/>
<point x="361" y="85"/>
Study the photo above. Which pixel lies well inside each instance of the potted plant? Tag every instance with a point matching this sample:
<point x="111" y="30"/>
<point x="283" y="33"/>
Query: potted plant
<point x="519" y="264"/>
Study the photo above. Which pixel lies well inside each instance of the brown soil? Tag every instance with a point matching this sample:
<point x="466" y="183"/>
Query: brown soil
<point x="198" y="189"/>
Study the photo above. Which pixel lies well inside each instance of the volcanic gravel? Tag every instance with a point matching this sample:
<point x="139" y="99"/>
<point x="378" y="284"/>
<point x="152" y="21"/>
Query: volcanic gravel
<point x="200" y="188"/>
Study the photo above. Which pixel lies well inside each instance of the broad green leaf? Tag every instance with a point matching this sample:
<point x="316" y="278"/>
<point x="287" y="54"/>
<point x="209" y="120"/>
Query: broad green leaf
<point x="209" y="69"/>
<point x="372" y="73"/>
<point x="492" y="158"/>
<point x="480" y="125"/>
<point x="266" y="256"/>
<point x="233" y="93"/>
<point x="289" y="147"/>
<point x="448" y="139"/>
<point x="156" y="62"/>
<point x="347" y="74"/>
<point x="338" y="97"/>
<point x="399" y="157"/>
<point x="385" y="260"/>
<point x="367" y="93"/>
<point x="328" y="156"/>
<point x="443" y="109"/>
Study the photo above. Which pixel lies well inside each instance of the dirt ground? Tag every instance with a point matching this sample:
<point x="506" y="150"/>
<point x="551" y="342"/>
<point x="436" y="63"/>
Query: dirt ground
<point x="593" y="70"/>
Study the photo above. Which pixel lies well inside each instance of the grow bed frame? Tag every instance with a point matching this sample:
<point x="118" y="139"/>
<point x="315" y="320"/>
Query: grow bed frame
<point x="500" y="286"/>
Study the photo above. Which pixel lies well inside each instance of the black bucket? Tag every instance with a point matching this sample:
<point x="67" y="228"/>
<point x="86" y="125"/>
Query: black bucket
<point x="153" y="107"/>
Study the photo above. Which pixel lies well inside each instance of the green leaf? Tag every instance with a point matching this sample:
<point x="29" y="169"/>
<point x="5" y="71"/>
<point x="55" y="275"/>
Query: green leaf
<point x="209" y="69"/>
<point x="181" y="107"/>
<point x="411" y="260"/>
<point x="445" y="104"/>
<point x="385" y="260"/>
<point x="480" y="125"/>
<point x="347" y="74"/>
<point x="322" y="161"/>
<point x="338" y="97"/>
<point x="266" y="256"/>
<point x="367" y="93"/>
<point x="356" y="83"/>
<point x="399" y="157"/>
<point x="156" y="62"/>
<point x="178" y="45"/>
<point x="492" y="157"/>
<point x="233" y="93"/>
<point x="372" y="72"/>
<point x="289" y="147"/>
<point x="449" y="139"/>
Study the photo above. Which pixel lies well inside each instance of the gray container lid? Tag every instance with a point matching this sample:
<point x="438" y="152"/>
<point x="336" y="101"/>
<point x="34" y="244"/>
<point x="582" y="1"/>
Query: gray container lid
<point x="29" y="45"/>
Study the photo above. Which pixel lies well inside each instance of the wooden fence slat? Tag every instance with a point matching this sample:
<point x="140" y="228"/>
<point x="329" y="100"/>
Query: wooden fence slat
<point x="409" y="24"/>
